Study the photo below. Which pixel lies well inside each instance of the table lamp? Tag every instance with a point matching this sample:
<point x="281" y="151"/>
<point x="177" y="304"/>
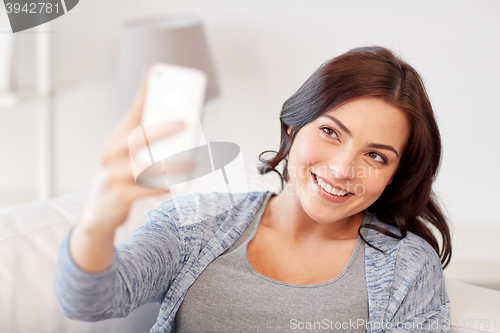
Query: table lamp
<point x="176" y="40"/>
<point x="179" y="41"/>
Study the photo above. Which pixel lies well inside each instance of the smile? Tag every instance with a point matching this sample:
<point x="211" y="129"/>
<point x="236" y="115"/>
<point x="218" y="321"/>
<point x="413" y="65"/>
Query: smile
<point x="329" y="189"/>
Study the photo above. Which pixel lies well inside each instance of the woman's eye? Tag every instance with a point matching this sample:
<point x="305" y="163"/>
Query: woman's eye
<point x="377" y="157"/>
<point x="330" y="132"/>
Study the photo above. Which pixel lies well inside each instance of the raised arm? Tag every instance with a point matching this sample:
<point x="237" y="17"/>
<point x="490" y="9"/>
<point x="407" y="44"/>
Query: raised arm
<point x="142" y="270"/>
<point x="90" y="269"/>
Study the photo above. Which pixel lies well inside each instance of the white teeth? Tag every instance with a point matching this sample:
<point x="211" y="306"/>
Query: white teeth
<point x="329" y="188"/>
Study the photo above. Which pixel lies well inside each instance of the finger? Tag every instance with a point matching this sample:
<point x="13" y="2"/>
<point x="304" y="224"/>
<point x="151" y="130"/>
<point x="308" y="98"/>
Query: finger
<point x="120" y="145"/>
<point x="169" y="167"/>
<point x="138" y="104"/>
<point x="145" y="135"/>
<point x="133" y="118"/>
<point x="126" y="170"/>
<point x="162" y="168"/>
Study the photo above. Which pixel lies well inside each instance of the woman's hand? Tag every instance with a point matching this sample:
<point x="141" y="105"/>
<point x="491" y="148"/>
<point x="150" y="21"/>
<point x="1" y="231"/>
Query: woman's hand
<point x="114" y="189"/>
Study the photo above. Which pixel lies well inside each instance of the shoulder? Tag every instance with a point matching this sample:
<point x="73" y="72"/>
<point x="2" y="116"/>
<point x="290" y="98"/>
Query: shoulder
<point x="407" y="276"/>
<point x="410" y="246"/>
<point x="410" y="255"/>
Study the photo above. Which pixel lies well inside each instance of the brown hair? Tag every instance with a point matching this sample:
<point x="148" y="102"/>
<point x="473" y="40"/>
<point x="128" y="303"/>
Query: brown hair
<point x="408" y="201"/>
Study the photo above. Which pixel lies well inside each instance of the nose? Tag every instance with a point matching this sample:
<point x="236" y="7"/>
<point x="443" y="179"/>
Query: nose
<point x="342" y="165"/>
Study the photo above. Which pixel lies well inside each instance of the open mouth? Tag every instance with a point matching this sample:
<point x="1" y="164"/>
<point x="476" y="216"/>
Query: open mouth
<point x="329" y="188"/>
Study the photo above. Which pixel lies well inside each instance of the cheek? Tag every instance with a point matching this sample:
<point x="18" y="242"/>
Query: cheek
<point x="305" y="152"/>
<point x="375" y="185"/>
<point x="312" y="148"/>
<point x="310" y="154"/>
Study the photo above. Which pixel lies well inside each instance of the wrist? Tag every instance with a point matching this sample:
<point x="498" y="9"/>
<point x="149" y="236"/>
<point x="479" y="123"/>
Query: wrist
<point x="95" y="228"/>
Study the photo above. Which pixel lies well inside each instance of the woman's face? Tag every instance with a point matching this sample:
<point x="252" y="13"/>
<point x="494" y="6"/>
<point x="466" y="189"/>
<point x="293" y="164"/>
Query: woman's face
<point x="340" y="163"/>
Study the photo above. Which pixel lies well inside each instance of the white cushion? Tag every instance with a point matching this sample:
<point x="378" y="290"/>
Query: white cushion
<point x="473" y="308"/>
<point x="30" y="237"/>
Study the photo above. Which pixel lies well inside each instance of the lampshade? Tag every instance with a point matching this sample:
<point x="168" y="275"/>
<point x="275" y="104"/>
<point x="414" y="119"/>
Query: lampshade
<point x="176" y="40"/>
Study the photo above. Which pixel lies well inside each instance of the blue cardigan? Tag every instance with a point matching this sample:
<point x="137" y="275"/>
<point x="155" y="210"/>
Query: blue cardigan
<point x="177" y="240"/>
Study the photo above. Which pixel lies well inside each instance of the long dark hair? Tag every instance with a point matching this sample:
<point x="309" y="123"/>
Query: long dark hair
<point x="408" y="201"/>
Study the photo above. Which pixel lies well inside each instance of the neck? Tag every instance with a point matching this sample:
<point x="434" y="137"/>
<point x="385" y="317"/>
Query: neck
<point x="284" y="213"/>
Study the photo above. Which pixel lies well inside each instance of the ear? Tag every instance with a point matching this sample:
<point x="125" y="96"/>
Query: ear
<point x="289" y="130"/>
<point x="390" y="181"/>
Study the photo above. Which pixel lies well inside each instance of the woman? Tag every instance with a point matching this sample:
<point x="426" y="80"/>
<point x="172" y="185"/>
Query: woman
<point x="345" y="246"/>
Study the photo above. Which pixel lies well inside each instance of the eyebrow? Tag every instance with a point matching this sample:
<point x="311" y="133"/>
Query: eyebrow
<point x="380" y="146"/>
<point x="371" y="145"/>
<point x="342" y="127"/>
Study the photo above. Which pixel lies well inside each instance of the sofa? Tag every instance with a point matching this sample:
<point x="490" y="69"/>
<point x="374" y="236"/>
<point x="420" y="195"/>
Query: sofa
<point x="30" y="236"/>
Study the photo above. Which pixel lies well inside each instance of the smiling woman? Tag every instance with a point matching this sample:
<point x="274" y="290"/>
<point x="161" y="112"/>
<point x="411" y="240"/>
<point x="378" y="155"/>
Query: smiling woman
<point x="354" y="153"/>
<point x="345" y="246"/>
<point x="379" y="125"/>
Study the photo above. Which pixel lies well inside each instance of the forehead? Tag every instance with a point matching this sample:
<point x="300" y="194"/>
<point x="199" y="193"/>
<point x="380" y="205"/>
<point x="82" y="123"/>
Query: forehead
<point x="374" y="121"/>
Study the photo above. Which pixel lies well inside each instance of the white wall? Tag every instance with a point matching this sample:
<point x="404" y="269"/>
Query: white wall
<point x="263" y="51"/>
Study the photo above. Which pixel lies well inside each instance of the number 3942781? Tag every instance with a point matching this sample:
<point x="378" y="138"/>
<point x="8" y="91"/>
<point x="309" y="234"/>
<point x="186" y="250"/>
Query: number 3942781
<point x="32" y="8"/>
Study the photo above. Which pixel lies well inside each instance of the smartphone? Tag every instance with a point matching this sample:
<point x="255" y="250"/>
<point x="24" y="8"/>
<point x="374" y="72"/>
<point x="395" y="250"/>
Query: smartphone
<point x="173" y="93"/>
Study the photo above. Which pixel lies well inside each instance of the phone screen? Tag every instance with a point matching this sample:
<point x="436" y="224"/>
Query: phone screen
<point x="174" y="93"/>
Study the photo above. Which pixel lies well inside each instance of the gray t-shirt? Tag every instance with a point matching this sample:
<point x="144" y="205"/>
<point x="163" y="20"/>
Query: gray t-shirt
<point x="231" y="296"/>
